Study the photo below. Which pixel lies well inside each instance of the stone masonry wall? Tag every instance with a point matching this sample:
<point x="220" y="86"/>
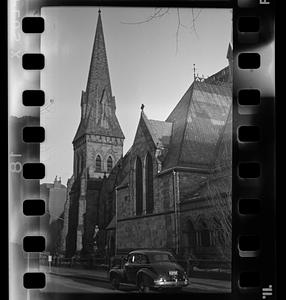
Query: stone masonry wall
<point x="152" y="232"/>
<point x="190" y="183"/>
<point x="146" y="231"/>
<point x="104" y="150"/>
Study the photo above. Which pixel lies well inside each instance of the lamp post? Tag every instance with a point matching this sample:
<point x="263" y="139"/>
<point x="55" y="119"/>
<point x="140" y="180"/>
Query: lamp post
<point x="96" y="229"/>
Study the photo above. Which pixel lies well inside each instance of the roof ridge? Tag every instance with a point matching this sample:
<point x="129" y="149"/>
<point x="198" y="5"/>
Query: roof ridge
<point x="148" y="125"/>
<point x="190" y="87"/>
<point x="186" y="121"/>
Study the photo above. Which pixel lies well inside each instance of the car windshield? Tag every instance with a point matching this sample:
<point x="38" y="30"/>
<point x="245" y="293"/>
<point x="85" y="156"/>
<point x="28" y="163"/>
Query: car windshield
<point x="159" y="257"/>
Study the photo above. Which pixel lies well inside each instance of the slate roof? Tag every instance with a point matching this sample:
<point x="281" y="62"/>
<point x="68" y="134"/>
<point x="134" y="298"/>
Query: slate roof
<point x="224" y="146"/>
<point x="160" y="131"/>
<point x="198" y="120"/>
<point x="92" y="125"/>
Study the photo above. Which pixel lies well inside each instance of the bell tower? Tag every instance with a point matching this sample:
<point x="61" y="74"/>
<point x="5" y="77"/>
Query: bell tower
<point x="98" y="145"/>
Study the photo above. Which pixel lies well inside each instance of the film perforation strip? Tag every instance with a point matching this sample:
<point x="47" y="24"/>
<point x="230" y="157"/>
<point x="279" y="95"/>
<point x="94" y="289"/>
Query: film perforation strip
<point x="33" y="61"/>
<point x="34" y="207"/>
<point x="249" y="245"/>
<point x="34" y="280"/>
<point x="34" y="243"/>
<point x="248" y="24"/>
<point x="33" y="134"/>
<point x="249" y="170"/>
<point x="251" y="134"/>
<point x="249" y="60"/>
<point x="33" y="25"/>
<point x="33" y="98"/>
<point x="250" y="280"/>
<point x="249" y="206"/>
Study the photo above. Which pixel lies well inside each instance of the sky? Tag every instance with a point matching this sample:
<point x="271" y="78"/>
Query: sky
<point x="149" y="63"/>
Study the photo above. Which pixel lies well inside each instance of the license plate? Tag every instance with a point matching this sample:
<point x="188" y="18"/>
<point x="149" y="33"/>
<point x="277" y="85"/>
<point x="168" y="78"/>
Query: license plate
<point x="173" y="272"/>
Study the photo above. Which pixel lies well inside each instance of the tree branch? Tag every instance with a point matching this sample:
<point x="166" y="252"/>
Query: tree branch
<point x="157" y="14"/>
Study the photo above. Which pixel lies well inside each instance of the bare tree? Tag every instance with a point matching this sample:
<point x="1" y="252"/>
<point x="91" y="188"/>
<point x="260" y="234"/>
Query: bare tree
<point x="219" y="190"/>
<point x="163" y="11"/>
<point x="219" y="195"/>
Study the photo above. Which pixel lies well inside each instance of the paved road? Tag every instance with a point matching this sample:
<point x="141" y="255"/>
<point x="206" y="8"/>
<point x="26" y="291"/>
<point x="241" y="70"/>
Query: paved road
<point x="63" y="284"/>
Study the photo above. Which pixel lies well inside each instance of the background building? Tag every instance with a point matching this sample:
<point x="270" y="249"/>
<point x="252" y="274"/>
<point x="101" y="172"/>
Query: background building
<point x="51" y="224"/>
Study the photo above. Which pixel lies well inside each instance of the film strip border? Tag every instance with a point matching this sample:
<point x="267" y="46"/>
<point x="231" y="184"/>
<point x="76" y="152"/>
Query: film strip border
<point x="33" y="171"/>
<point x="253" y="150"/>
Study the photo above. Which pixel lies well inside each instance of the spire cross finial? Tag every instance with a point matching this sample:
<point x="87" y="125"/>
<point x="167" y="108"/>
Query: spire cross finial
<point x="142" y="107"/>
<point x="99" y="11"/>
<point x="194" y="68"/>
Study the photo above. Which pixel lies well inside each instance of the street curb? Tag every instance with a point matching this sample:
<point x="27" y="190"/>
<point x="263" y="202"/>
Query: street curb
<point x="93" y="278"/>
<point x="80" y="277"/>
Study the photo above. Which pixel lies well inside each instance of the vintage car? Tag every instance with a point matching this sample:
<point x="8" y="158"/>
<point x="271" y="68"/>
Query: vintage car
<point x="149" y="270"/>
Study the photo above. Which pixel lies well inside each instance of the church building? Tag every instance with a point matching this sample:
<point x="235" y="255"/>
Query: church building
<point x="176" y="193"/>
<point x="172" y="189"/>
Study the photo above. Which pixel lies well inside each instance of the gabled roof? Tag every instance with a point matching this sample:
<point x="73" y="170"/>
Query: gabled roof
<point x="198" y="120"/>
<point x="160" y="131"/>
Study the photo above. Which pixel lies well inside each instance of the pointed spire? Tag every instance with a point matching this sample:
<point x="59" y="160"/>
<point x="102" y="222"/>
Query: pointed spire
<point x="98" y="77"/>
<point x="97" y="103"/>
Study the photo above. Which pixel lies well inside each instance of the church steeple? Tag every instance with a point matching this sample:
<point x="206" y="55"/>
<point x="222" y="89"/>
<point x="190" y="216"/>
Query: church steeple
<point x="97" y="103"/>
<point x="98" y="76"/>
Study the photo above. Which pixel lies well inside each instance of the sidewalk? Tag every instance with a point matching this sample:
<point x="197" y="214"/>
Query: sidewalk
<point x="99" y="275"/>
<point x="78" y="273"/>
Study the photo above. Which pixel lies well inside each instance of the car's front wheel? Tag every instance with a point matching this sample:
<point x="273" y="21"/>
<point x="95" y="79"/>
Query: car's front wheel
<point x="115" y="282"/>
<point x="144" y="284"/>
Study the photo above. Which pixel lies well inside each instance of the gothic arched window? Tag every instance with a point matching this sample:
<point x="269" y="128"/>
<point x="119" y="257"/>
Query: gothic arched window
<point x="149" y="184"/>
<point x="75" y="164"/>
<point x="78" y="164"/>
<point x="204" y="234"/>
<point x="191" y="234"/>
<point x="82" y="162"/>
<point x="139" y="187"/>
<point x="98" y="163"/>
<point x="218" y="233"/>
<point x="109" y="164"/>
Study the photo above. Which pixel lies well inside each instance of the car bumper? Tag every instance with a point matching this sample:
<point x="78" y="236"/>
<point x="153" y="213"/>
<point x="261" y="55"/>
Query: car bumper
<point x="171" y="284"/>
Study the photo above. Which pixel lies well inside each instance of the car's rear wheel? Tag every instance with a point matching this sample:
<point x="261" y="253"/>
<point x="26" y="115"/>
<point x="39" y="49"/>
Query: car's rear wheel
<point x="144" y="284"/>
<point x="115" y="282"/>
